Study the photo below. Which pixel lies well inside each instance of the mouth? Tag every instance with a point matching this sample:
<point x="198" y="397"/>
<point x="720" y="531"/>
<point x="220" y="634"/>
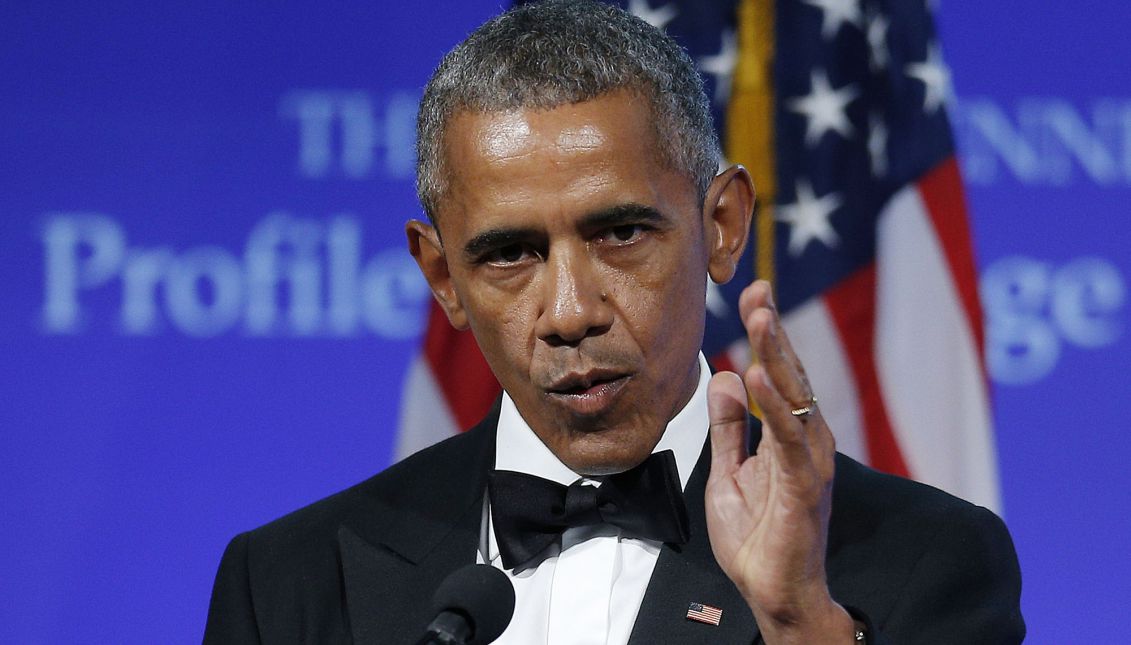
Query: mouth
<point x="588" y="394"/>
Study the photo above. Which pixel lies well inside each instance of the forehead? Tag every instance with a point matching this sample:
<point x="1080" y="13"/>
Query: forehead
<point x="558" y="158"/>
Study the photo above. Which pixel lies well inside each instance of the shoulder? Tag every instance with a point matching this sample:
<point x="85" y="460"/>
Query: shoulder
<point x="871" y="508"/>
<point x="400" y="506"/>
<point x="917" y="559"/>
<point x="865" y="497"/>
<point x="380" y="504"/>
<point x="289" y="575"/>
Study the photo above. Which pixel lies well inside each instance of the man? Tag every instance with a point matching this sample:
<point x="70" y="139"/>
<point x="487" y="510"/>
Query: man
<point x="567" y="164"/>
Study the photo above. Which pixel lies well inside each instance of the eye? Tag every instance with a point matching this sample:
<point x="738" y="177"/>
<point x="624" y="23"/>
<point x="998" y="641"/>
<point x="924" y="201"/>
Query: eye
<point x="625" y="233"/>
<point x="509" y="254"/>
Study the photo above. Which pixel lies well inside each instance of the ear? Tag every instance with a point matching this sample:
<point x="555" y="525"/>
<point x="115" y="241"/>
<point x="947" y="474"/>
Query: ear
<point x="425" y="246"/>
<point x="727" y="211"/>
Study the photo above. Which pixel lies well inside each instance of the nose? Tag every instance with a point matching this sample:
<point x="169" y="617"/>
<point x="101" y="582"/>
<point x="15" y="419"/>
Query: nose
<point x="575" y="304"/>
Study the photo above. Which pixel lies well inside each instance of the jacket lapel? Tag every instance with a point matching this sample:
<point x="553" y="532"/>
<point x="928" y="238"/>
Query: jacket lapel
<point x="396" y="554"/>
<point x="690" y="574"/>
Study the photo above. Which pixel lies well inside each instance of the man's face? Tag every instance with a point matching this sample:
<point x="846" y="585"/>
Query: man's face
<point x="579" y="262"/>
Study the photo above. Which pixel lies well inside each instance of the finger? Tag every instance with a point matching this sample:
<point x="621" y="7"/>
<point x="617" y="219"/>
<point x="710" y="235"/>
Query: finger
<point x="800" y="447"/>
<point x="787" y="376"/>
<point x="782" y="434"/>
<point x="726" y="409"/>
<point x="765" y="295"/>
<point x="770" y="345"/>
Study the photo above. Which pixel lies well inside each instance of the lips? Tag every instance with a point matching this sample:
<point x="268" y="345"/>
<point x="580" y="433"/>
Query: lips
<point x="589" y="393"/>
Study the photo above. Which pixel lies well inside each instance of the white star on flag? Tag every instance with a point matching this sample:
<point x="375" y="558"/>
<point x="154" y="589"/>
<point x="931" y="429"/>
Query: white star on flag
<point x="658" y="18"/>
<point x="825" y="108"/>
<point x="936" y="79"/>
<point x="808" y="218"/>
<point x="721" y="66"/>
<point x="878" y="146"/>
<point x="877" y="41"/>
<point x="836" y="13"/>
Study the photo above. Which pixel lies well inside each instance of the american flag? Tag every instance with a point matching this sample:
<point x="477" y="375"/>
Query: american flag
<point x="838" y="108"/>
<point x="704" y="613"/>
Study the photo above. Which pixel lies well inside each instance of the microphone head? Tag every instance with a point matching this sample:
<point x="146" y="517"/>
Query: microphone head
<point x="483" y="594"/>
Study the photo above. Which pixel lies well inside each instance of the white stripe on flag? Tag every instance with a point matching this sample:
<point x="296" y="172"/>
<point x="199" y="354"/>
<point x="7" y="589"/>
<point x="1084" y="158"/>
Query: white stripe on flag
<point x="817" y="343"/>
<point x="425" y="417"/>
<point x="739" y="354"/>
<point x="927" y="359"/>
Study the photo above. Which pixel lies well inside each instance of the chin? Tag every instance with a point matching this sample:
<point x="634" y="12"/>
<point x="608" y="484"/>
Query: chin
<point x="605" y="455"/>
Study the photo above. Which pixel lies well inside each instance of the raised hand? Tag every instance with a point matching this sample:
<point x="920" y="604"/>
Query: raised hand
<point x="768" y="513"/>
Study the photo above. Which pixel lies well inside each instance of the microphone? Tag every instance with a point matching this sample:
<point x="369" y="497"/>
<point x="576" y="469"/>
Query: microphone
<point x="473" y="606"/>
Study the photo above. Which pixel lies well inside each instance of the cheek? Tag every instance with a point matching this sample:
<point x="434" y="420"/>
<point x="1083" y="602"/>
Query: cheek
<point x="664" y="302"/>
<point x="504" y="328"/>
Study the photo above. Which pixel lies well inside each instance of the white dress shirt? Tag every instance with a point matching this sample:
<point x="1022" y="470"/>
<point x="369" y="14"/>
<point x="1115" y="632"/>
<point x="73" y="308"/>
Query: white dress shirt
<point x="588" y="589"/>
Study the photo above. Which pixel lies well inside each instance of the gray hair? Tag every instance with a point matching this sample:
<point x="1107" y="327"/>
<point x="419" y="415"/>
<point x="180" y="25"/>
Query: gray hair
<point x="557" y="52"/>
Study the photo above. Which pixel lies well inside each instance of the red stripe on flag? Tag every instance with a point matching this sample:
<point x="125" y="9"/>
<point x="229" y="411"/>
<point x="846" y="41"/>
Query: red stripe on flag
<point x="852" y="306"/>
<point x="941" y="189"/>
<point x="462" y="374"/>
<point x="722" y="363"/>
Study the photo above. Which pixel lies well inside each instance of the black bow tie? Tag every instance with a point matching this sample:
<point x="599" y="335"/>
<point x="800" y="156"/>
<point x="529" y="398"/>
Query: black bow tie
<point x="530" y="512"/>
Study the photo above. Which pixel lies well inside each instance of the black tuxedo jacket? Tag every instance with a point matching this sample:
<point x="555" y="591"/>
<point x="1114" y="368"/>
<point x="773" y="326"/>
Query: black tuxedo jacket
<point x="918" y="565"/>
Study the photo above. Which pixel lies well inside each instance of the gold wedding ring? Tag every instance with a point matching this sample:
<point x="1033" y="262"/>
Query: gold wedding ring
<point x="805" y="410"/>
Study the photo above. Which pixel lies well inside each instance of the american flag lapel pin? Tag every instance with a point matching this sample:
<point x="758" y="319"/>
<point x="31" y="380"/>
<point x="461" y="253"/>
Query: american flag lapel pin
<point x="704" y="613"/>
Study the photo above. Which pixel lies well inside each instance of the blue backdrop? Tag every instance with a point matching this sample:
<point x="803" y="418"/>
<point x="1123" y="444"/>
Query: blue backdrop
<point x="206" y="310"/>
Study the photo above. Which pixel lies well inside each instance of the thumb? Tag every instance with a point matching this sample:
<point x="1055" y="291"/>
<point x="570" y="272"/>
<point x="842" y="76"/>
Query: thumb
<point x="726" y="409"/>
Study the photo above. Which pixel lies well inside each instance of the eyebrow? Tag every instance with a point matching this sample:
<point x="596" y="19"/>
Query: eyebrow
<point x="619" y="215"/>
<point x="622" y="214"/>
<point x="495" y="238"/>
